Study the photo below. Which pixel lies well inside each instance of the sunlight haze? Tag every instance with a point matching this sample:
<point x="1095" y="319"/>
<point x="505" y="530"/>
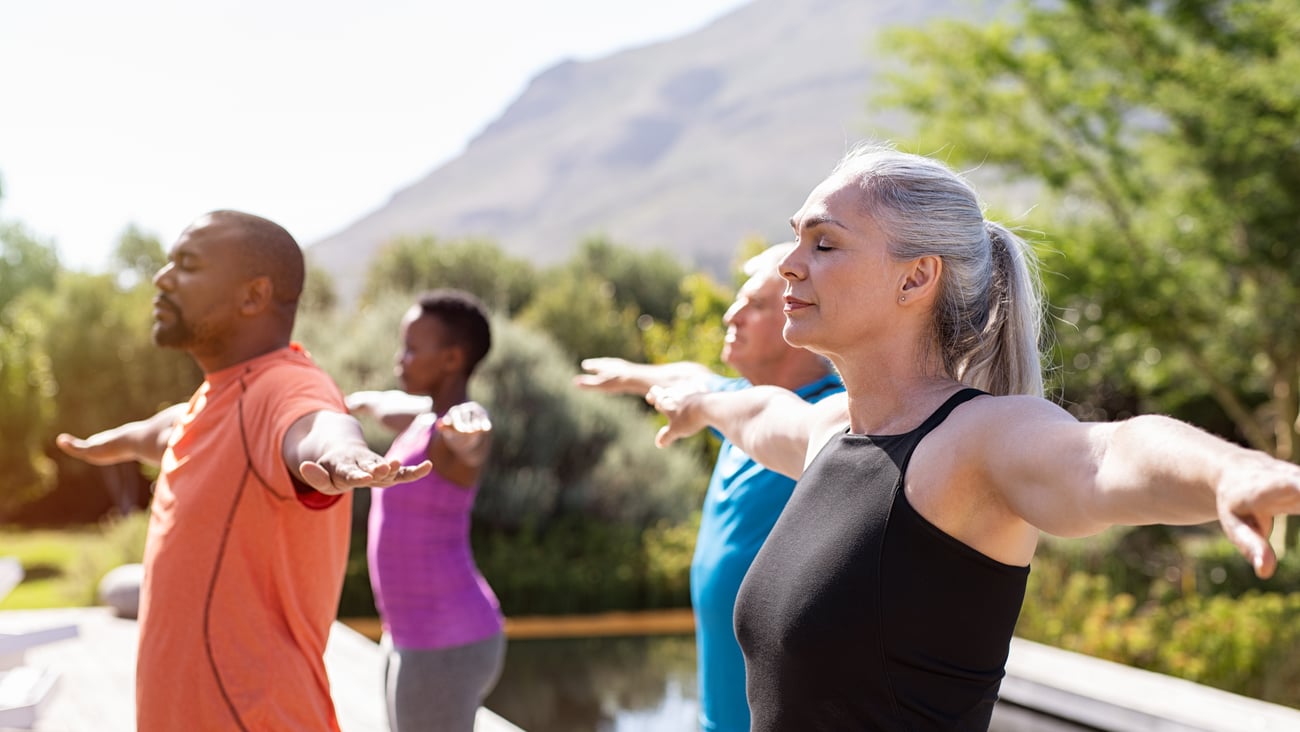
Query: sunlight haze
<point x="309" y="113"/>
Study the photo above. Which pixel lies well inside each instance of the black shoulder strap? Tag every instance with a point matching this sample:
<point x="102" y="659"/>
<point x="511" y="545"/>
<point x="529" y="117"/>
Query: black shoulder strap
<point x="940" y="414"/>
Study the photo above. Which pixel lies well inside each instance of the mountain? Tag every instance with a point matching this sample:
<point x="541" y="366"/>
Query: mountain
<point x="689" y="145"/>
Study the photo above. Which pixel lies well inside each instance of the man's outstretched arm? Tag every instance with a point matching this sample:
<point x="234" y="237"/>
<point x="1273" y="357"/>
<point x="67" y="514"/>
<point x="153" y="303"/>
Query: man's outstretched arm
<point x="327" y="451"/>
<point x="144" y="441"/>
<point x="620" y="376"/>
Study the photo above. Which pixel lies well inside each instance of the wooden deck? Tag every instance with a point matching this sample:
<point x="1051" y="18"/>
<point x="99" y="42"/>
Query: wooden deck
<point x="94" y="690"/>
<point x="95" y="686"/>
<point x="1110" y="696"/>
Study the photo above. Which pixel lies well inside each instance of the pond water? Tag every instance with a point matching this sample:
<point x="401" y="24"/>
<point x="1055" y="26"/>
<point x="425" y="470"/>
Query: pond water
<point x="634" y="684"/>
<point x="608" y="684"/>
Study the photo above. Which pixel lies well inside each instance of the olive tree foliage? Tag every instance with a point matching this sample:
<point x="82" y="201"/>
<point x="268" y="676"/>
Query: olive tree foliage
<point x="411" y="264"/>
<point x="561" y="452"/>
<point x="27" y="264"/>
<point x="1166" y="138"/>
<point x="26" y="395"/>
<point x="696" y="331"/>
<point x="647" y="281"/>
<point x="319" y="291"/>
<point x="602" y="299"/>
<point x="582" y="312"/>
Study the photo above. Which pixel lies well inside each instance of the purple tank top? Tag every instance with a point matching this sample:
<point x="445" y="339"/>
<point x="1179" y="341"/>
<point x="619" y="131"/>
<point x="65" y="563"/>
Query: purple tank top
<point x="427" y="589"/>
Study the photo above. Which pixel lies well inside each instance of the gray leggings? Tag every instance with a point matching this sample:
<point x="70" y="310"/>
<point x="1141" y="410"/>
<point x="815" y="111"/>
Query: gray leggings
<point x="440" y="690"/>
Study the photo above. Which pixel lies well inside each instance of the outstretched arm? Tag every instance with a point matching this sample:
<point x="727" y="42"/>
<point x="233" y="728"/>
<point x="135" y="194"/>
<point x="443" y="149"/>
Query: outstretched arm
<point x="1076" y="478"/>
<point x="144" y="441"/>
<point x="619" y="376"/>
<point x="393" y="408"/>
<point x="327" y="451"/>
<point x="772" y="425"/>
<point x="463" y="441"/>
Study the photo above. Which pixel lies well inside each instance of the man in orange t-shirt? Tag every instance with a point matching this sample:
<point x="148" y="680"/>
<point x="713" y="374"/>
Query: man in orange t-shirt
<point x="248" y="534"/>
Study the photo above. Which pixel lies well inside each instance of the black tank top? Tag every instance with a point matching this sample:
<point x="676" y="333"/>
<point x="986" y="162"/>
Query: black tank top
<point x="858" y="614"/>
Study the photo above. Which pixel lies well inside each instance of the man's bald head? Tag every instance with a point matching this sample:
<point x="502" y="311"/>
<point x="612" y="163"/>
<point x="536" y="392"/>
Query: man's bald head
<point x="266" y="249"/>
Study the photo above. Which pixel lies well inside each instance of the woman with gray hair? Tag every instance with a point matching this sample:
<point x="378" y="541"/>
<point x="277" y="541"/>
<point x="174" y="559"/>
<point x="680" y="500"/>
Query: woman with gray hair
<point x="887" y="593"/>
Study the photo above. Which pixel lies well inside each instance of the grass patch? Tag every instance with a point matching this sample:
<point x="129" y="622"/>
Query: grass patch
<point x="63" y="567"/>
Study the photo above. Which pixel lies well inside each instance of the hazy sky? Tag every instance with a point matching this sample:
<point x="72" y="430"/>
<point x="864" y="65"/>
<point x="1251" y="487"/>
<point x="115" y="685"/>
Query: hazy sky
<point x="309" y="113"/>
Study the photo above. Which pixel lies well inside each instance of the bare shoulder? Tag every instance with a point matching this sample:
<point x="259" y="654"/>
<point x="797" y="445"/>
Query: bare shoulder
<point x="990" y="439"/>
<point x="959" y="473"/>
<point x="985" y="417"/>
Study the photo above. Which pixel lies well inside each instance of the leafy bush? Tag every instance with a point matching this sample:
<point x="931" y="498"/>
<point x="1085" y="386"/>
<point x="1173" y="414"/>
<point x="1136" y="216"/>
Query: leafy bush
<point x="1248" y="644"/>
<point x="584" y="565"/>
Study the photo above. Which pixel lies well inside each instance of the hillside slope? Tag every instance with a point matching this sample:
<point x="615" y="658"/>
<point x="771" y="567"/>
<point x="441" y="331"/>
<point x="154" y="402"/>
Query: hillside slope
<point x="689" y="145"/>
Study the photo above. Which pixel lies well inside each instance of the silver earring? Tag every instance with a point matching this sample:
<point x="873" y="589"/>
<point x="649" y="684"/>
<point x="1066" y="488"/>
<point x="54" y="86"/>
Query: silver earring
<point x="903" y="298"/>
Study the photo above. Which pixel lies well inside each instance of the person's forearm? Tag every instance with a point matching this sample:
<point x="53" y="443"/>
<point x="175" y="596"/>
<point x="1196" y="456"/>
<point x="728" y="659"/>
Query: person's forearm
<point x="765" y="422"/>
<point x="142" y="441"/>
<point x="313" y="436"/>
<point x="1159" y="470"/>
<point x="393" y="409"/>
<point x="619" y="376"/>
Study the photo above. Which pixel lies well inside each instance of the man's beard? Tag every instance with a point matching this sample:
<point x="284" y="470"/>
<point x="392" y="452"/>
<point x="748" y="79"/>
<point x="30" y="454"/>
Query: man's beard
<point x="177" y="334"/>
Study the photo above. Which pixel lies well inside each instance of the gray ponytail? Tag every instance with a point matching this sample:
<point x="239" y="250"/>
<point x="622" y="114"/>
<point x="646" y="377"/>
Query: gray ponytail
<point x="1004" y="357"/>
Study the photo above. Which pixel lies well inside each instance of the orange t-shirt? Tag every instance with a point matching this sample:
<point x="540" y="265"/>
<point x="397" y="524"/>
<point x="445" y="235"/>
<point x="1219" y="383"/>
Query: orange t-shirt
<point x="242" y="578"/>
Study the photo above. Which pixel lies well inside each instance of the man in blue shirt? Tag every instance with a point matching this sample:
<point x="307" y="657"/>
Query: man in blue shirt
<point x="744" y="499"/>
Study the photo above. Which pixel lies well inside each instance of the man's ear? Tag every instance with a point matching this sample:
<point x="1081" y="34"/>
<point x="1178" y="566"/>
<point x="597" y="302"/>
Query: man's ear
<point x="921" y="279"/>
<point x="257" y="293"/>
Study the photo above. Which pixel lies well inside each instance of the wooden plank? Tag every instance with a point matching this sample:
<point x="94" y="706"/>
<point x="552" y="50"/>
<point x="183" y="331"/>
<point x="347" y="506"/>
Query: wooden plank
<point x="96" y="670"/>
<point x="1116" y="697"/>
<point x="678" y="621"/>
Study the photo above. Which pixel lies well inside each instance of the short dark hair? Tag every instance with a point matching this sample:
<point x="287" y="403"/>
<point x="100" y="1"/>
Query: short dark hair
<point x="466" y="319"/>
<point x="268" y="249"/>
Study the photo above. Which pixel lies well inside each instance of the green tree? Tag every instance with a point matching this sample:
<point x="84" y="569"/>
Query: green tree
<point x="580" y="310"/>
<point x="561" y="452"/>
<point x="601" y="300"/>
<point x="695" y="332"/>
<point x="412" y="264"/>
<point x="319" y="291"/>
<point x="27" y="395"/>
<point x="1169" y="134"/>
<point x="647" y="282"/>
<point x="26" y="262"/>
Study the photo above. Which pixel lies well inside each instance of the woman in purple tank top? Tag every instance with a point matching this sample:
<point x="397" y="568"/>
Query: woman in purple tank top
<point x="442" y="623"/>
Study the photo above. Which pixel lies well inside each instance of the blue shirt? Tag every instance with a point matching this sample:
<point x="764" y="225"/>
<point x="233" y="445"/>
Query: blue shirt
<point x="742" y="504"/>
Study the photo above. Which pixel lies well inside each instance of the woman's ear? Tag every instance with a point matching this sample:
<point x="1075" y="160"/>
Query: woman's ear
<point x="454" y="358"/>
<point x="921" y="279"/>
